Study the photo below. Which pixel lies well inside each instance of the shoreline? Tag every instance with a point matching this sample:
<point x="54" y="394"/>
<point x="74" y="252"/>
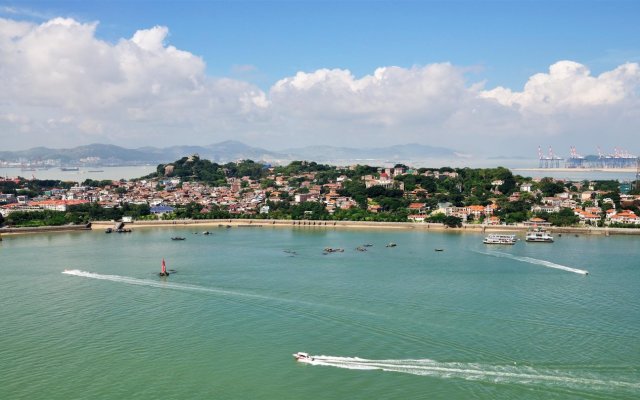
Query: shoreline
<point x="317" y="224"/>
<point x="43" y="229"/>
<point x="420" y="226"/>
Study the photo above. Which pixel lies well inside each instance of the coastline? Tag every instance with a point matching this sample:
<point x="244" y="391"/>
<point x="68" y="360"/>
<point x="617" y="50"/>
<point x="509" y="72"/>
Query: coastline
<point x="43" y="229"/>
<point x="316" y="224"/>
<point x="422" y="226"/>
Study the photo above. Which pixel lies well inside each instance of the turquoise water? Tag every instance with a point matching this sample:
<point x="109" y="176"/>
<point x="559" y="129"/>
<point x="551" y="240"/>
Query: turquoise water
<point x="470" y="322"/>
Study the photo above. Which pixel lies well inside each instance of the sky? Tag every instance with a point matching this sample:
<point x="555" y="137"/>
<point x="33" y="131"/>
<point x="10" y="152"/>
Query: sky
<point x="484" y="78"/>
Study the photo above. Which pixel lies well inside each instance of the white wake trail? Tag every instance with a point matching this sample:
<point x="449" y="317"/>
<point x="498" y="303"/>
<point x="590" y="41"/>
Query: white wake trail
<point x="479" y="372"/>
<point x="195" y="288"/>
<point x="536" y="261"/>
<point x="159" y="284"/>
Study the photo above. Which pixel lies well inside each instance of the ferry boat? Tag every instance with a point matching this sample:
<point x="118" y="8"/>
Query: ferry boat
<point x="539" y="235"/>
<point x="303" y="357"/>
<point x="500" y="238"/>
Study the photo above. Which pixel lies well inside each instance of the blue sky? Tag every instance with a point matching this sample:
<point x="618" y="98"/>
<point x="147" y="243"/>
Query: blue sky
<point x="503" y="42"/>
<point x="259" y="43"/>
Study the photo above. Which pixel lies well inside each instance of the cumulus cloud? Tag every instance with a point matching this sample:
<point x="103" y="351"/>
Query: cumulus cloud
<point x="570" y="86"/>
<point x="62" y="86"/>
<point x="122" y="93"/>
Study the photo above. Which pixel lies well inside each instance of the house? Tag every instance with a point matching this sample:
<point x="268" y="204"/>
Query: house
<point x="536" y="222"/>
<point x="526" y="187"/>
<point x="418" y="208"/>
<point x="545" y="208"/>
<point x="624" y="217"/>
<point x="161" y="210"/>
<point x="302" y="197"/>
<point x="586" y="217"/>
<point x="416" y="217"/>
<point x="477" y="211"/>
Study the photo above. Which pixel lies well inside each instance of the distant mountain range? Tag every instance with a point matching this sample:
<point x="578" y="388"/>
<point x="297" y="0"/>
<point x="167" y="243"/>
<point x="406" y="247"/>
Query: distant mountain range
<point x="227" y="151"/>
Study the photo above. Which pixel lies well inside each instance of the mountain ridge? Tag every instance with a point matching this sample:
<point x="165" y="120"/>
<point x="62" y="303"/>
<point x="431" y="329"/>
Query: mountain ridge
<point x="225" y="151"/>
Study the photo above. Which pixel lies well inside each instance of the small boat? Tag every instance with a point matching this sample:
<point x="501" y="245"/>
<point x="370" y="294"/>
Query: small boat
<point x="361" y="248"/>
<point x="177" y="238"/>
<point x="303" y="357"/>
<point x="439" y="249"/>
<point x="391" y="244"/>
<point x="206" y="233"/>
<point x="499" y="238"/>
<point x="108" y="230"/>
<point x="163" y="272"/>
<point x="367" y="245"/>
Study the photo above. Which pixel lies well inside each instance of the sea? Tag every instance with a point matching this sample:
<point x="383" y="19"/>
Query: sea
<point x="130" y="172"/>
<point x="82" y="174"/>
<point x="85" y="315"/>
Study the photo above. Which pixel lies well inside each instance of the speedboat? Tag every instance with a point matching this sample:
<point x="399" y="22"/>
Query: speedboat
<point x="303" y="357"/>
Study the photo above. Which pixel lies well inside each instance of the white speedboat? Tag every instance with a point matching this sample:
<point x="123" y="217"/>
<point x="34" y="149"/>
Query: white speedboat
<point x="303" y="357"/>
<point x="499" y="238"/>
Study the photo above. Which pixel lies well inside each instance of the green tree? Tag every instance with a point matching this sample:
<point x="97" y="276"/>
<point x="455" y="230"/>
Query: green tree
<point x="565" y="217"/>
<point x="452" y="222"/>
<point x="549" y="187"/>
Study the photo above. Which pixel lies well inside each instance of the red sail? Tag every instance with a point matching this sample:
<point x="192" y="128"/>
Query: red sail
<point x="164" y="268"/>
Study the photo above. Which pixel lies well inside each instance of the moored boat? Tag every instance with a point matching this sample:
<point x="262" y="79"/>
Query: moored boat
<point x="539" y="235"/>
<point x="500" y="238"/>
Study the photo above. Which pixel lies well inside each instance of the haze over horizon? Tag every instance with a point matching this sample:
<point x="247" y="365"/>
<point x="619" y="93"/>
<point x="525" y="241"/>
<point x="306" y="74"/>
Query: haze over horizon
<point x="483" y="78"/>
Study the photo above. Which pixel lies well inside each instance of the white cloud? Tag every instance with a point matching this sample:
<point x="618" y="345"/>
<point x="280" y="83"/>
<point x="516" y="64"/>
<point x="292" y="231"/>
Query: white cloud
<point x="61" y="85"/>
<point x="570" y="86"/>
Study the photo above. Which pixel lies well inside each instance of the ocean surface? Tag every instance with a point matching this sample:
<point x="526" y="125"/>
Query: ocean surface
<point x="578" y="174"/>
<point x="85" y="316"/>
<point x="130" y="172"/>
<point x="97" y="173"/>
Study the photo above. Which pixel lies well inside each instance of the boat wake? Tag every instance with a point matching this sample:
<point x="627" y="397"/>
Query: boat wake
<point x="480" y="372"/>
<point x="536" y="261"/>
<point x="159" y="284"/>
<point x="196" y="288"/>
